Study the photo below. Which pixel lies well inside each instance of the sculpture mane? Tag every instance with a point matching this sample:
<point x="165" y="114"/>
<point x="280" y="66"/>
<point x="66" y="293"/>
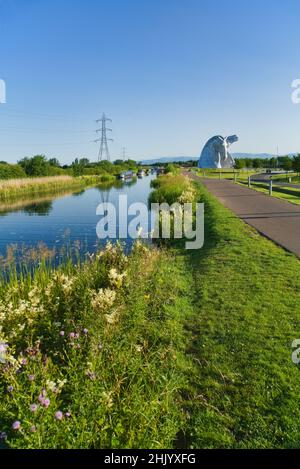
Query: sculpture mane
<point x="215" y="153"/>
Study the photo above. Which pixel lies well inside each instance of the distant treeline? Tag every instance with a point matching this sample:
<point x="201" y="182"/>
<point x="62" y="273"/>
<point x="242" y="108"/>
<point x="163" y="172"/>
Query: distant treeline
<point x="39" y="165"/>
<point x="285" y="163"/>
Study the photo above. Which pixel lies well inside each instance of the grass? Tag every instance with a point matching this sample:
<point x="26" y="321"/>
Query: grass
<point x="290" y="194"/>
<point x="170" y="189"/>
<point x="14" y="188"/>
<point x="242" y="174"/>
<point x="175" y="348"/>
<point x="246" y="391"/>
<point x="243" y="389"/>
<point x="129" y="322"/>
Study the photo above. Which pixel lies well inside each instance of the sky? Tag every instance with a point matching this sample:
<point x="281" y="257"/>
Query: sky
<point x="169" y="73"/>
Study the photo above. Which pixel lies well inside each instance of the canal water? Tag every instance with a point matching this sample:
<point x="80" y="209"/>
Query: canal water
<point x="65" y="220"/>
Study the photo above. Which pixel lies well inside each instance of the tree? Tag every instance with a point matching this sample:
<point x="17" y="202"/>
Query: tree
<point x="239" y="163"/>
<point x="84" y="161"/>
<point x="285" y="162"/>
<point x="54" y="162"/>
<point x="77" y="167"/>
<point x="296" y="163"/>
<point x="257" y="163"/>
<point x="35" y="166"/>
<point x="118" y="162"/>
<point x="273" y="162"/>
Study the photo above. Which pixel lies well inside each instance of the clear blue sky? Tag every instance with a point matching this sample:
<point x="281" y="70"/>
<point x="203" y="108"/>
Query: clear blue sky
<point x="170" y="73"/>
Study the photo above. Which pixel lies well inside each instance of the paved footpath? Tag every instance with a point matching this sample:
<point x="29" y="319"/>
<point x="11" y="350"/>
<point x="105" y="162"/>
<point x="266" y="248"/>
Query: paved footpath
<point x="276" y="219"/>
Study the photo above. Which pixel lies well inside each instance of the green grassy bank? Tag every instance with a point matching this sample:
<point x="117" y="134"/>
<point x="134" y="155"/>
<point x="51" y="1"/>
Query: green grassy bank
<point x="161" y="348"/>
<point x="290" y="194"/>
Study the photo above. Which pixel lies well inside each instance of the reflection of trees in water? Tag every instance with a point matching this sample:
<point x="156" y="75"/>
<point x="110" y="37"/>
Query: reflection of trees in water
<point x="38" y="208"/>
<point x="131" y="182"/>
<point x="42" y="207"/>
<point x="78" y="193"/>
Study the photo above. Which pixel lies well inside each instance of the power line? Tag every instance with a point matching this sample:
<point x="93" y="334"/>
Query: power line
<point x="44" y="144"/>
<point x="124" y="151"/>
<point x="103" y="150"/>
<point x="23" y="129"/>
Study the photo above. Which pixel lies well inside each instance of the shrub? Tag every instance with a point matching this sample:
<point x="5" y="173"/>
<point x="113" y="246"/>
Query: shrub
<point x="11" y="171"/>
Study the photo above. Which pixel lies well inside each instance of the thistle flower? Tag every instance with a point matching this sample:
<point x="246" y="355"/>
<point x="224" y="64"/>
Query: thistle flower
<point x="31" y="378"/>
<point x="16" y="425"/>
<point x="10" y="388"/>
<point x="33" y="407"/>
<point x="68" y="414"/>
<point x="59" y="415"/>
<point x="72" y="335"/>
<point x="46" y="403"/>
<point x="62" y="333"/>
<point x="3" y="348"/>
<point x="85" y="331"/>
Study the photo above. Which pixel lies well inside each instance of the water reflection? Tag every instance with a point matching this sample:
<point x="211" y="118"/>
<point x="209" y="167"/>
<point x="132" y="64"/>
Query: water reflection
<point x="66" y="222"/>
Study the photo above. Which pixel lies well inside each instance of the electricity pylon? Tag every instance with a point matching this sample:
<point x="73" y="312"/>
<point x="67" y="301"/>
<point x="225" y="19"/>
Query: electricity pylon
<point x="103" y="150"/>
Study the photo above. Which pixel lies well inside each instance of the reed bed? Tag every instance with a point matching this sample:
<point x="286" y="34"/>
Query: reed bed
<point x="13" y="188"/>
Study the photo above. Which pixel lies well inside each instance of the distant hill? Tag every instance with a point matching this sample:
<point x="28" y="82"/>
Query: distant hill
<point x="177" y="159"/>
<point x="170" y="159"/>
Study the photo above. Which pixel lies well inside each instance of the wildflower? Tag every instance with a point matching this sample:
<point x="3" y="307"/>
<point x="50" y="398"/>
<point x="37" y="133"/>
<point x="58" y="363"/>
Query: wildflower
<point x="3" y="347"/>
<point x="33" y="407"/>
<point x="10" y="388"/>
<point x="68" y="414"/>
<point x="51" y="385"/>
<point x="24" y="361"/>
<point x="72" y="335"/>
<point x="3" y="350"/>
<point x="61" y="383"/>
<point x="59" y="415"/>
<point x="115" y="278"/>
<point x="33" y="429"/>
<point x="16" y="425"/>
<point x="31" y="378"/>
<point x="76" y="335"/>
<point x="62" y="333"/>
<point x="85" y="331"/>
<point x="103" y="299"/>
<point x="112" y="318"/>
<point x="100" y="346"/>
<point x="46" y="403"/>
<point x="66" y="283"/>
<point x="3" y="436"/>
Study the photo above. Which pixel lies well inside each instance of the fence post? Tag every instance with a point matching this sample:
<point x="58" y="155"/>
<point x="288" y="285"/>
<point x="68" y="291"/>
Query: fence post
<point x="220" y="176"/>
<point x="271" y="187"/>
<point x="249" y="181"/>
